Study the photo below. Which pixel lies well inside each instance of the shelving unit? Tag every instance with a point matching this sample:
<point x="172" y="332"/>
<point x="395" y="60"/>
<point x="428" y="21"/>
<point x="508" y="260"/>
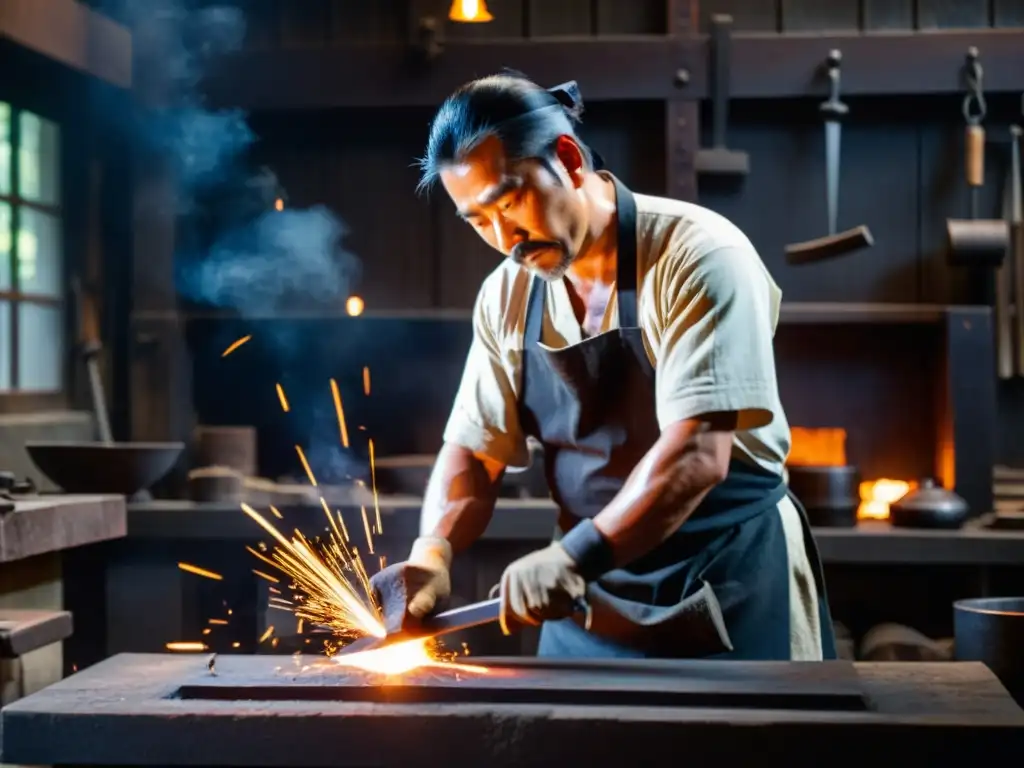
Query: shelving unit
<point x="619" y="68"/>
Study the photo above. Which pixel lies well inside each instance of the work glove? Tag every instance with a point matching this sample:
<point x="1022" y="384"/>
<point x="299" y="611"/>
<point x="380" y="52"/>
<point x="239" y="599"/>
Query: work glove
<point x="542" y="586"/>
<point x="407" y="592"/>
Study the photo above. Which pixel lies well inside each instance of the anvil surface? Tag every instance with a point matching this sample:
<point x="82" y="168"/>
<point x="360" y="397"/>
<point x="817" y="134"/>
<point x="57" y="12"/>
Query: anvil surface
<point x="276" y="711"/>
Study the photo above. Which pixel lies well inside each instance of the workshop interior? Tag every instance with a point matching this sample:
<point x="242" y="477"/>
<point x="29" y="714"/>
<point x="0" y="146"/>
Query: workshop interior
<point x="232" y="331"/>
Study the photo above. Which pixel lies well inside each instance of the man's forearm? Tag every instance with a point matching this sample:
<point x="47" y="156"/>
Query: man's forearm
<point x="460" y="496"/>
<point x="666" y="487"/>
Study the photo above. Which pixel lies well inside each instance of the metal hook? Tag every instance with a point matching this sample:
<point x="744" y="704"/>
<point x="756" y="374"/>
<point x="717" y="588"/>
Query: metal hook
<point x="974" y="107"/>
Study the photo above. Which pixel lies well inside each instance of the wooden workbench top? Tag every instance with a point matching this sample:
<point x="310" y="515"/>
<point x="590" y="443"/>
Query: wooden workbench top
<point x="51" y="523"/>
<point x="127" y="710"/>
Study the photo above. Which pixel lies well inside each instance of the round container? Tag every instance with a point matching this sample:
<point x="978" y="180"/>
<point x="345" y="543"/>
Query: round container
<point x="830" y="495"/>
<point x="991" y="630"/>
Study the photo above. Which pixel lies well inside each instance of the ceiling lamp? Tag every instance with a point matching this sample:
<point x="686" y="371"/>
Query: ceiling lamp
<point x="469" y="11"/>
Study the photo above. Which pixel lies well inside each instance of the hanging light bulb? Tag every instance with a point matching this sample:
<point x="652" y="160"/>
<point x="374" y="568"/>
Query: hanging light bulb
<point x="354" y="306"/>
<point x="470" y="11"/>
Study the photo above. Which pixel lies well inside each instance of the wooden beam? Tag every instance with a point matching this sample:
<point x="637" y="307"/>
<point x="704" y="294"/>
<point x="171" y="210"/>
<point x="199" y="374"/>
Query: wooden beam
<point x="637" y="68"/>
<point x="682" y="111"/>
<point x="72" y="34"/>
<point x="384" y="75"/>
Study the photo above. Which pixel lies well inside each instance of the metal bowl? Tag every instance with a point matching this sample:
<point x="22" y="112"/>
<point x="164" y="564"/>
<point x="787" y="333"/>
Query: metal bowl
<point x="991" y="630"/>
<point x="117" y="468"/>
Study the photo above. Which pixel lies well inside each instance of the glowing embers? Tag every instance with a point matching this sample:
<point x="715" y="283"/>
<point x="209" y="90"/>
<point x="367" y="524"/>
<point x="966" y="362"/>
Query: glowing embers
<point x="401" y="658"/>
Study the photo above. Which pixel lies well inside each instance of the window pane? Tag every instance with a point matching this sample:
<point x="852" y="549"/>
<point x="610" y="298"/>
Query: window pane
<point x="6" y="339"/>
<point x="5" y="247"/>
<point x="5" y="149"/>
<point x="38" y="159"/>
<point x="40" y="347"/>
<point x="39" y="253"/>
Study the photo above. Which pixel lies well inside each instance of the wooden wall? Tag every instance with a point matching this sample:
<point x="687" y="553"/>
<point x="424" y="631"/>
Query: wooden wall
<point x="902" y="176"/>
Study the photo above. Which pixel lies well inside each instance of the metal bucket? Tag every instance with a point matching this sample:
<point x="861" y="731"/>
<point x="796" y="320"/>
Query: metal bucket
<point x="991" y="630"/>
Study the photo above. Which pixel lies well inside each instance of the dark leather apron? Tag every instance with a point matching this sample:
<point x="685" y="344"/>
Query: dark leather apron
<point x="719" y="586"/>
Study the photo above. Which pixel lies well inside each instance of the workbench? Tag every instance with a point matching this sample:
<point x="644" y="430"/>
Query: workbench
<point x="169" y="710"/>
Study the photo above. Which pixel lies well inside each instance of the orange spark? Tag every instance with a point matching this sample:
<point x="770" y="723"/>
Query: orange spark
<point x="266" y="576"/>
<point x="284" y="400"/>
<point x="200" y="571"/>
<point x="207" y="631"/>
<point x="343" y="533"/>
<point x="222" y="622"/>
<point x="298" y="630"/>
<point x="366" y="381"/>
<point x="236" y="645"/>
<point x="266" y="635"/>
<point x="366" y="527"/>
<point x="373" y="479"/>
<point x="276" y="513"/>
<point x="235" y="346"/>
<point x="403" y="657"/>
<point x="184" y="647"/>
<point x="305" y="465"/>
<point x="340" y="411"/>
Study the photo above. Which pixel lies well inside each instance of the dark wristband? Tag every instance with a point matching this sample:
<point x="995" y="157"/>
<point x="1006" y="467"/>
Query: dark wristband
<point x="589" y="549"/>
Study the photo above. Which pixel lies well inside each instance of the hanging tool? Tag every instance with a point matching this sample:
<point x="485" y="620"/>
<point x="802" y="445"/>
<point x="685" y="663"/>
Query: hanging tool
<point x="836" y="243"/>
<point x="474" y="615"/>
<point x="976" y="242"/>
<point x="719" y="159"/>
<point x="91" y="347"/>
<point x="1017" y="243"/>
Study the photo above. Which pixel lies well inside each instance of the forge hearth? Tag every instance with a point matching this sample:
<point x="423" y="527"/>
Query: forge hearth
<point x="273" y="711"/>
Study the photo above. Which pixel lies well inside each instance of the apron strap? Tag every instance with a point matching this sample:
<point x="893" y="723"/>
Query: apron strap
<point x="625" y="277"/>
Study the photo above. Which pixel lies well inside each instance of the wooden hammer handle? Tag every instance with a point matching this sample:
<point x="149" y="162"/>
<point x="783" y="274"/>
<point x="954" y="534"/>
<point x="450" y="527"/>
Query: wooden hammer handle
<point x="975" y="155"/>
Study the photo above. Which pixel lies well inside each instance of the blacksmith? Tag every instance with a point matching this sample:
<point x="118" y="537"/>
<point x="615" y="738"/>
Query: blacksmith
<point x="631" y="336"/>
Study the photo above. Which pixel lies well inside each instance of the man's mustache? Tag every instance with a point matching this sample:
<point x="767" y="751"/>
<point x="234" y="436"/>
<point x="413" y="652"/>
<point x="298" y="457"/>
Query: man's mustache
<point x="521" y="251"/>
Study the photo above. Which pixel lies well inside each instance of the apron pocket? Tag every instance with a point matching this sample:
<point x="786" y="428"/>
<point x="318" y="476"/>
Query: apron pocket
<point x="692" y="628"/>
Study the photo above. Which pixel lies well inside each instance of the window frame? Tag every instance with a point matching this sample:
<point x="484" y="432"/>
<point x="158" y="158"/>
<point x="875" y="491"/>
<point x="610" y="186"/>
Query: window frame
<point x="15" y="400"/>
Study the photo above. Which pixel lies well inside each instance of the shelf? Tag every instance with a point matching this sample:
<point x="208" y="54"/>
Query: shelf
<point x="635" y="68"/>
<point x="841" y="313"/>
<point x="793" y="313"/>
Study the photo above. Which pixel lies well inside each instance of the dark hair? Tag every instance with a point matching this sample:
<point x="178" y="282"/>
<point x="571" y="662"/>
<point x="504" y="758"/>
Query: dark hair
<point x="481" y="109"/>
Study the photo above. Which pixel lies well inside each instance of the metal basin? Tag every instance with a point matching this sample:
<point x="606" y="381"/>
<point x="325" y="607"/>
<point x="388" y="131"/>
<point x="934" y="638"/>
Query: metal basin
<point x="991" y="630"/>
<point x="120" y="468"/>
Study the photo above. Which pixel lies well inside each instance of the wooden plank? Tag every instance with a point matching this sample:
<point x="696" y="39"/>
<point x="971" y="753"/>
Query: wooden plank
<point x="1008" y="13"/>
<point x="566" y="17"/>
<point x="887" y="14"/>
<point x="818" y="16"/>
<point x="952" y="14"/>
<point x="620" y="69"/>
<point x="73" y="34"/>
<point x="682" y="114"/>
<point x="262" y="25"/>
<point x="382" y="20"/>
<point x="747" y="15"/>
<point x="305" y="23"/>
<point x="631" y="17"/>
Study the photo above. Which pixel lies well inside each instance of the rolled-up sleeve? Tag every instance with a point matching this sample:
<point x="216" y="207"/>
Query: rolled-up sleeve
<point x="715" y="351"/>
<point x="485" y="417"/>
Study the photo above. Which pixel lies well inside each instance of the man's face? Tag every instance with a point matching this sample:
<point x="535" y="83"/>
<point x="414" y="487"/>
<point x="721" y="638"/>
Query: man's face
<point x="527" y="210"/>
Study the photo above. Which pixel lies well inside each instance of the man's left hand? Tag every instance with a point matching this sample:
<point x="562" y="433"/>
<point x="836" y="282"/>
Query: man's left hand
<point x="541" y="586"/>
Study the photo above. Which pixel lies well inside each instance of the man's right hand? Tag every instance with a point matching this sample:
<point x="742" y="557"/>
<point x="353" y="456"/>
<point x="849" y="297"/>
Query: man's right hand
<point x="408" y="592"/>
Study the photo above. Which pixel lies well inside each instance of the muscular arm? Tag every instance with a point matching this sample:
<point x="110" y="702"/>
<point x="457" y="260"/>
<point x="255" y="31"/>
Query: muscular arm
<point x="460" y="496"/>
<point x="687" y="461"/>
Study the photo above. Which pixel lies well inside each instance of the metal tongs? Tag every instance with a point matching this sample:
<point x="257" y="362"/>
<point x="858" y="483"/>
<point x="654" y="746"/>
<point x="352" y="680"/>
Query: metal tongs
<point x="475" y="615"/>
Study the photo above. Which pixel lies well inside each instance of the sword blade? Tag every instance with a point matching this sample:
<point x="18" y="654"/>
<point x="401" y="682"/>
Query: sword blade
<point x="833" y="135"/>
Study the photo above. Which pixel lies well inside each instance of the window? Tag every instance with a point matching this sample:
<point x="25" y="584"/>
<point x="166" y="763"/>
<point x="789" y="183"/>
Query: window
<point x="32" y="340"/>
